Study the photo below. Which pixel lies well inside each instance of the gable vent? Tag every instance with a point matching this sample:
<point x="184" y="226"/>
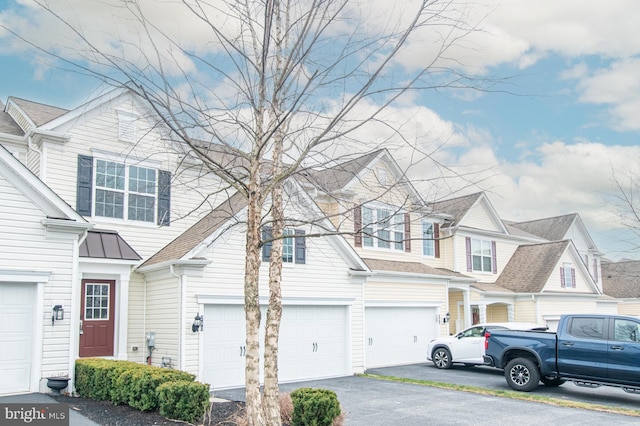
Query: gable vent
<point x="22" y="121"/>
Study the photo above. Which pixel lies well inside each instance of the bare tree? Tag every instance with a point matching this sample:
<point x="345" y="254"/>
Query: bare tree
<point x="279" y="86"/>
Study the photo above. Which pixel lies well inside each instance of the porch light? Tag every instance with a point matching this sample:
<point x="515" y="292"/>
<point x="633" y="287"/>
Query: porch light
<point x="197" y="323"/>
<point x="446" y="317"/>
<point x="58" y="314"/>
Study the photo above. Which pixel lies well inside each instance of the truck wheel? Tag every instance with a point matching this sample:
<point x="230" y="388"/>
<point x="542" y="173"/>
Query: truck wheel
<point x="522" y="374"/>
<point x="552" y="382"/>
<point x="442" y="358"/>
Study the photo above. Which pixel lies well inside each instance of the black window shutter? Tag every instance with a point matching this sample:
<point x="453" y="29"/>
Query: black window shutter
<point x="84" y="185"/>
<point x="573" y="277"/>
<point x="468" y="244"/>
<point x="301" y="247"/>
<point x="563" y="284"/>
<point x="266" y="247"/>
<point x="164" y="198"/>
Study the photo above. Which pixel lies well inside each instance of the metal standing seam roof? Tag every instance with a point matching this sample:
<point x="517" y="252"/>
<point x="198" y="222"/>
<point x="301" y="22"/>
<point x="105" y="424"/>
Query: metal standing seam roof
<point x="200" y="231"/>
<point x="105" y="244"/>
<point x="531" y="266"/>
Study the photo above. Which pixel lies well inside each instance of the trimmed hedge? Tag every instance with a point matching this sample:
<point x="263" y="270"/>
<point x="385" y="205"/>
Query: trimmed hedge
<point x="137" y="385"/>
<point x="314" y="407"/>
<point x="183" y="400"/>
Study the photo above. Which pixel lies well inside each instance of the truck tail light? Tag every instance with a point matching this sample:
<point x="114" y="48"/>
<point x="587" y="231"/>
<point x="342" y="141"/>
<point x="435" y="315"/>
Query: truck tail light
<point x="486" y="340"/>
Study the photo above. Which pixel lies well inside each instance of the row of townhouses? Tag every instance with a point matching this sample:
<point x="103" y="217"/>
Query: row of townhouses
<point x="115" y="246"/>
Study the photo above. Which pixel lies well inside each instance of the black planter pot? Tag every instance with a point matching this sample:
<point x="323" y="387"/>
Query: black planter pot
<point x="57" y="383"/>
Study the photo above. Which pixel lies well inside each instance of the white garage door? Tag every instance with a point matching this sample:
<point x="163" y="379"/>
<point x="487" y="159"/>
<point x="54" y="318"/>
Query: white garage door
<point x="398" y="335"/>
<point x="313" y="344"/>
<point x="16" y="331"/>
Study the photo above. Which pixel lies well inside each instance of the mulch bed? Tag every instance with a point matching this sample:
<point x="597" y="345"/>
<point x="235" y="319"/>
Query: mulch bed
<point x="106" y="414"/>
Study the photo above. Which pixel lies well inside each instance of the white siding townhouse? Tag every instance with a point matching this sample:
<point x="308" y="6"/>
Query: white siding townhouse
<point x="103" y="219"/>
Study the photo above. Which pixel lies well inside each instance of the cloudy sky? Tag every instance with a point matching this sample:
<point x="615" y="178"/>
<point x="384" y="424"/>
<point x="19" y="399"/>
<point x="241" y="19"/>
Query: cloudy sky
<point x="549" y="139"/>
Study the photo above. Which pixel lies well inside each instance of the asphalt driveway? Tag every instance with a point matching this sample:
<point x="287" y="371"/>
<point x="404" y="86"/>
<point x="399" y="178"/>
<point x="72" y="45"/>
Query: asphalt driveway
<point x="373" y="402"/>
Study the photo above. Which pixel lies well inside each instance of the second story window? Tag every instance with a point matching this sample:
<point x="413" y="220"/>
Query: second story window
<point x="567" y="276"/>
<point x="428" y="240"/>
<point x="114" y="190"/>
<point x="294" y="246"/>
<point x="481" y="255"/>
<point x="383" y="229"/>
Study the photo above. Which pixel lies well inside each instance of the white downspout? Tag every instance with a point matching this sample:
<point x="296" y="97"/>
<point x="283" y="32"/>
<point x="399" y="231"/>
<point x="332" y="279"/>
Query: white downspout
<point x="536" y="309"/>
<point x="182" y="348"/>
<point x="74" y="332"/>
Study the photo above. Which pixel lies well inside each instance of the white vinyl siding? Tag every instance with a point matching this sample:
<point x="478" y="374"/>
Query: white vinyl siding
<point x="25" y="247"/>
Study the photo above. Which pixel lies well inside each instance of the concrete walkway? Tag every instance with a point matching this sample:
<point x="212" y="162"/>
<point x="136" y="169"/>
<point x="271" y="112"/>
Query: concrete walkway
<point x="75" y="418"/>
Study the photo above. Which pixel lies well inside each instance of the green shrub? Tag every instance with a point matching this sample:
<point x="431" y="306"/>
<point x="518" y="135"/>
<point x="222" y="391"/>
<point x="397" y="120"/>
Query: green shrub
<point x="183" y="400"/>
<point x="314" y="407"/>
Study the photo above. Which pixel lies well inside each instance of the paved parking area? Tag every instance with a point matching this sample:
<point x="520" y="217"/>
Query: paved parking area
<point x="372" y="402"/>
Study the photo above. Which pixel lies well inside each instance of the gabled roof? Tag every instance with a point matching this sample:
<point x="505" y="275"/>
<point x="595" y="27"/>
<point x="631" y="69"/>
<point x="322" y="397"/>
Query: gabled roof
<point x="344" y="175"/>
<point x="621" y="279"/>
<point x="202" y="229"/>
<point x="8" y="125"/>
<point x="38" y="113"/>
<point x="104" y="244"/>
<point x="531" y="266"/>
<point x="457" y="207"/>
<point x="551" y="228"/>
<point x="339" y="176"/>
<point x="51" y="204"/>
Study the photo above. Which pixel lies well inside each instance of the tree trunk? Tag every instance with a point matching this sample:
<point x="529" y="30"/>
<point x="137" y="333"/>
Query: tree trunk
<point x="252" y="300"/>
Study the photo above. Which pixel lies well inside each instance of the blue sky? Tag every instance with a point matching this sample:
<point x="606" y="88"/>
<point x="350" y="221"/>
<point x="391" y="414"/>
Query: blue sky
<point x="549" y="147"/>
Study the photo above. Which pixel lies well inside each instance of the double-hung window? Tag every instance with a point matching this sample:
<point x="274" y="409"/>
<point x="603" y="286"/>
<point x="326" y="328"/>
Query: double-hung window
<point x="428" y="240"/>
<point x="567" y="276"/>
<point x="125" y="192"/>
<point x="481" y="255"/>
<point x="294" y="246"/>
<point x="116" y="190"/>
<point x="382" y="228"/>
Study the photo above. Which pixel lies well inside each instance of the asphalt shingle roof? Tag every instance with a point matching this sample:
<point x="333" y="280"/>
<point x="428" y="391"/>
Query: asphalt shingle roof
<point x="621" y="279"/>
<point x="531" y="266"/>
<point x="410" y="267"/>
<point x="551" y="228"/>
<point x="38" y="113"/>
<point x="338" y="176"/>
<point x="456" y="207"/>
<point x="201" y="230"/>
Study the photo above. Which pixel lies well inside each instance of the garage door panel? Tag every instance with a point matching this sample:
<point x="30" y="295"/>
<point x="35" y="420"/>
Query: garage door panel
<point x="397" y="335"/>
<point x="16" y="334"/>
<point x="312" y="344"/>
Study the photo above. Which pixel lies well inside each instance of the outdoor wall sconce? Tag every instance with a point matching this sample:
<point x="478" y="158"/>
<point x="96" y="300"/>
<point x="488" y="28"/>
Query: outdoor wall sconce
<point x="197" y="323"/>
<point x="446" y="317"/>
<point x="58" y="314"/>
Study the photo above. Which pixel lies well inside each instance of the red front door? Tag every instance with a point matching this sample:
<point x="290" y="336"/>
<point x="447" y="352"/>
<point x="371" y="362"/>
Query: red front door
<point x="97" y="318"/>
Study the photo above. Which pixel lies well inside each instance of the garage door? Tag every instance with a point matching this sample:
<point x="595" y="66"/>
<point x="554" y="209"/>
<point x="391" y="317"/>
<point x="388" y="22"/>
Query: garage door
<point x="16" y="331"/>
<point x="395" y="336"/>
<point x="313" y="344"/>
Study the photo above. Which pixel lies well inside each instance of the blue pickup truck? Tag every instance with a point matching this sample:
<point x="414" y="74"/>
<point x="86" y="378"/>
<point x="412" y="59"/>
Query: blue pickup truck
<point x="590" y="350"/>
